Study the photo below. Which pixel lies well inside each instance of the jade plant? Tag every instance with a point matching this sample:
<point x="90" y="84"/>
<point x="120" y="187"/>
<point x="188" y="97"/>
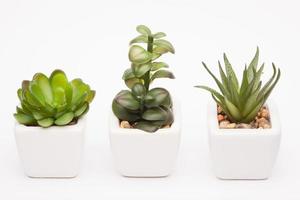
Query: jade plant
<point x="145" y="108"/>
<point x="242" y="102"/>
<point x="52" y="101"/>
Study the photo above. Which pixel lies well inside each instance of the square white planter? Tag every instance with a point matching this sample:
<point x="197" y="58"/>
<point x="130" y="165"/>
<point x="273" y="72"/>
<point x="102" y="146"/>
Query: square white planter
<point x="53" y="152"/>
<point x="243" y="153"/>
<point x="141" y="154"/>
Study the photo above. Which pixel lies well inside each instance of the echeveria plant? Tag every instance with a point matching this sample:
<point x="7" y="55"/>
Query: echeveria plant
<point x="53" y="101"/>
<point x="144" y="108"/>
<point x="241" y="102"/>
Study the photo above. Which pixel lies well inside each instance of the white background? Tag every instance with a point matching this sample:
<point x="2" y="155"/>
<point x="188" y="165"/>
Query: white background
<point x="89" y="39"/>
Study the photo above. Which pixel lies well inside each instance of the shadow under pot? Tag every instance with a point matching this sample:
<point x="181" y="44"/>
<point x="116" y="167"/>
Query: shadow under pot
<point x="141" y="154"/>
<point x="53" y="152"/>
<point x="243" y="153"/>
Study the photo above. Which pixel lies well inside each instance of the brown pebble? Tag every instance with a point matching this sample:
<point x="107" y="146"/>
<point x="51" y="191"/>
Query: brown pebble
<point x="265" y="113"/>
<point x="125" y="124"/>
<point x="266" y="126"/>
<point x="221" y="118"/>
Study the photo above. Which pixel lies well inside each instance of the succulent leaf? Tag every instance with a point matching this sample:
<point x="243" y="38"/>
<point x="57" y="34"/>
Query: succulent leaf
<point x="64" y="119"/>
<point x="147" y="126"/>
<point x="141" y="70"/>
<point x="127" y="100"/>
<point x="159" y="35"/>
<point x="45" y="122"/>
<point x="155" y="114"/>
<point x="139" y="39"/>
<point x="139" y="55"/>
<point x="144" y="30"/>
<point x="162" y="74"/>
<point x="164" y="44"/>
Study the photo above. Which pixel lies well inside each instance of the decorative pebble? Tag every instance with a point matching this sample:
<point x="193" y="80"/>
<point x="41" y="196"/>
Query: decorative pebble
<point x="243" y="125"/>
<point x="261" y="121"/>
<point x="125" y="124"/>
<point x="221" y="118"/>
<point x="231" y="125"/>
<point x="224" y="124"/>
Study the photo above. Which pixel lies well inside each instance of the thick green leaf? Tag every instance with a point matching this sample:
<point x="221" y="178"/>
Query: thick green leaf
<point x="233" y="110"/>
<point x="160" y="50"/>
<point x="155" y="55"/>
<point x="147" y="126"/>
<point x="159" y="35"/>
<point x="155" y="114"/>
<point x="128" y="74"/>
<point x="36" y="91"/>
<point x="44" y="84"/>
<point x="131" y="82"/>
<point x="141" y="70"/>
<point x="31" y="99"/>
<point x="46" y="122"/>
<point x="20" y="94"/>
<point x="144" y="30"/>
<point x="24" y="119"/>
<point x="59" y="79"/>
<point x="139" y="55"/>
<point x="139" y="39"/>
<point x="91" y="95"/>
<point x="252" y="66"/>
<point x="212" y="91"/>
<point x="223" y="76"/>
<point x="64" y="119"/>
<point x="127" y="100"/>
<point x="59" y="96"/>
<point x="221" y="87"/>
<point x="80" y="91"/>
<point x="81" y="110"/>
<point x="156" y="97"/>
<point x="230" y="72"/>
<point x="164" y="44"/>
<point x="139" y="90"/>
<point x="162" y="74"/>
<point x="122" y="113"/>
<point x="158" y="65"/>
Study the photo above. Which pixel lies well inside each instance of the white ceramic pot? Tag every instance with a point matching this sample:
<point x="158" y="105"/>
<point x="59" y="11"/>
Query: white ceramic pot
<point x="243" y="153"/>
<point x="53" y="152"/>
<point x="141" y="154"/>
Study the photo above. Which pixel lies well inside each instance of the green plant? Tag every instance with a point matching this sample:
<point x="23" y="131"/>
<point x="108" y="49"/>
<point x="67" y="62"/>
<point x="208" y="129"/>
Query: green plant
<point x="144" y="108"/>
<point x="241" y="103"/>
<point x="52" y="101"/>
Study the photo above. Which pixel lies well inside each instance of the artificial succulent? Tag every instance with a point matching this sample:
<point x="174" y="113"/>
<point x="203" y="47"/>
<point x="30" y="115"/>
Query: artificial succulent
<point x="144" y="108"/>
<point x="241" y="102"/>
<point x="52" y="101"/>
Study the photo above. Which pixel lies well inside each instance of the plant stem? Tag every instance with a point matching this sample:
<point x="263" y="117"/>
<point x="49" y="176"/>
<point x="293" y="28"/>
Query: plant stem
<point x="147" y="75"/>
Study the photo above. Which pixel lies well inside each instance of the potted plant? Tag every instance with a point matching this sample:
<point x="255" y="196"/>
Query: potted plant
<point x="145" y="122"/>
<point x="50" y="124"/>
<point x="244" y="130"/>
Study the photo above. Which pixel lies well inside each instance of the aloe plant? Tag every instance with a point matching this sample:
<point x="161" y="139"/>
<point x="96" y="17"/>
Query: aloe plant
<point x="144" y="108"/>
<point x="241" y="102"/>
<point x="52" y="101"/>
